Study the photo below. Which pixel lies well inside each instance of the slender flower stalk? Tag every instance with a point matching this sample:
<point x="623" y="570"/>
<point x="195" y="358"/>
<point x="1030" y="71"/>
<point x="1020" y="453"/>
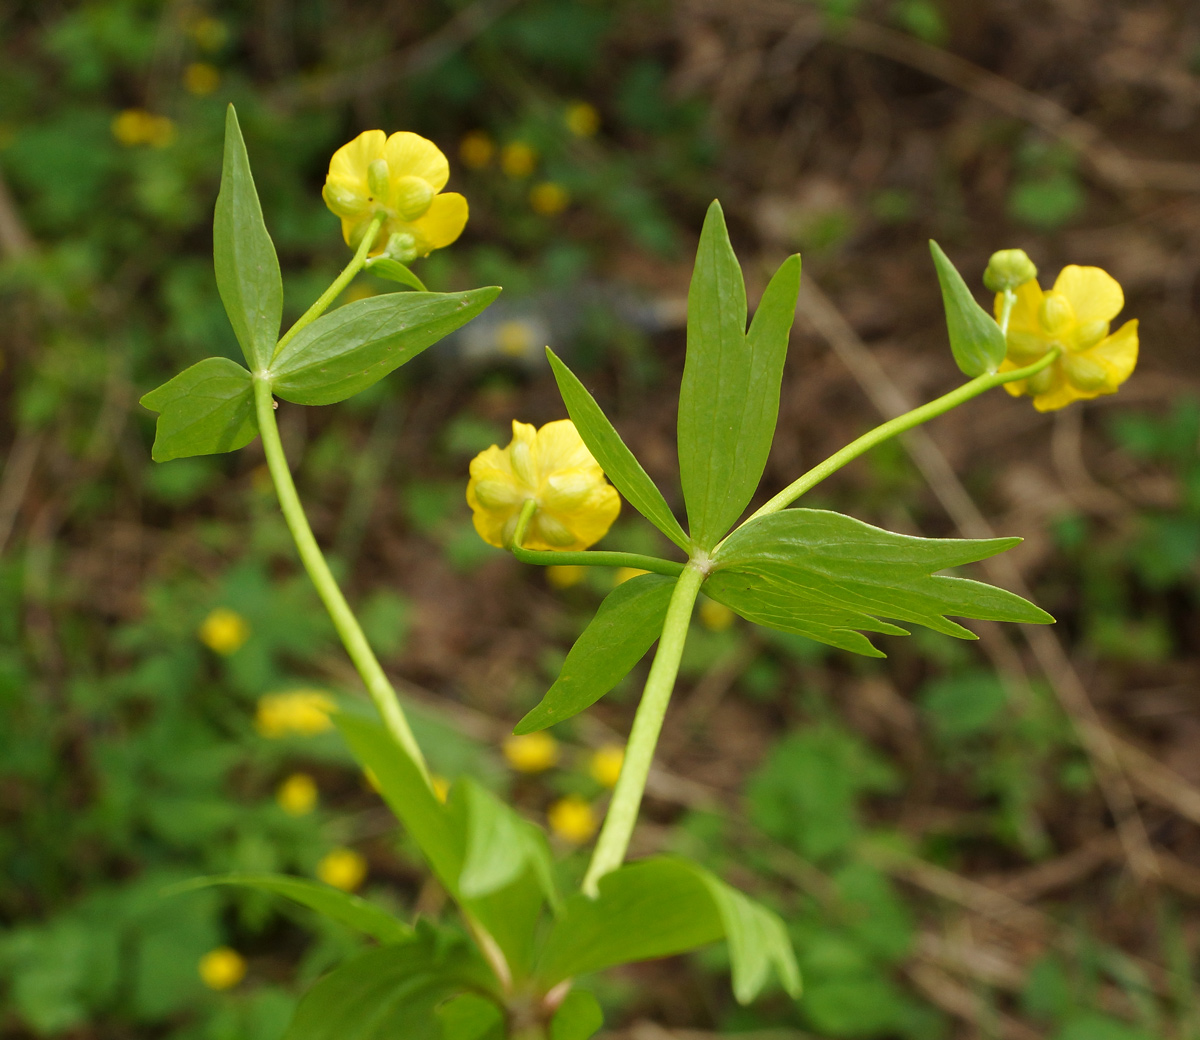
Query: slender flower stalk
<point x="353" y="638"/>
<point x="335" y="290"/>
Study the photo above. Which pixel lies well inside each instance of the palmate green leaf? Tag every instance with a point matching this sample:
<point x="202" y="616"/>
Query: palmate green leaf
<point x="347" y="909"/>
<point x="688" y="908"/>
<point x="729" y="399"/>
<point x="975" y="338"/>
<point x="394" y="271"/>
<point x="831" y="577"/>
<point x="349" y="349"/>
<point x="578" y="1017"/>
<point x="623" y="629"/>
<point x="247" y="268"/>
<point x="615" y="458"/>
<point x="392" y="992"/>
<point x="206" y="409"/>
<point x="490" y="860"/>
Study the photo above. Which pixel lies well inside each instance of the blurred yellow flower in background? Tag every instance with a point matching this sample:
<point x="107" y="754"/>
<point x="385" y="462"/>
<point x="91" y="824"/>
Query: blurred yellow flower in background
<point x="476" y="149"/>
<point x="222" y="968"/>
<point x="553" y="467"/>
<point x="343" y="868"/>
<point x="518" y="159"/>
<point x="572" y="818"/>
<point x="297" y="712"/>
<point x="441" y="787"/>
<point x="714" y="616"/>
<point x="1074" y="317"/>
<point x="297" y="795"/>
<point x="548" y="198"/>
<point x="582" y="119"/>
<point x="606" y="763"/>
<point x="200" y="78"/>
<point x="400" y="177"/>
<point x="136" y="126"/>
<point x="531" y="752"/>
<point x="565" y="577"/>
<point x="224" y="631"/>
<point x="624" y="574"/>
<point x="210" y="34"/>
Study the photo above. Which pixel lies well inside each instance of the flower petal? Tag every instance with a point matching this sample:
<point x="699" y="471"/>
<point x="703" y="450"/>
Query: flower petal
<point x="1118" y="354"/>
<point x="411" y="155"/>
<point x="1093" y="292"/>
<point x="560" y="447"/>
<point x="349" y="163"/>
<point x="1024" y="317"/>
<point x="443" y="222"/>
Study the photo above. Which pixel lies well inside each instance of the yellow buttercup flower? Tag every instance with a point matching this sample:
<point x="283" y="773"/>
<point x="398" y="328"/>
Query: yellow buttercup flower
<point x="517" y="159"/>
<point x="714" y="616"/>
<point x="441" y="787"/>
<point x="572" y="818"/>
<point x="224" y="631"/>
<point x="297" y="712"/>
<point x="1073" y="316"/>
<point x="565" y="577"/>
<point x="531" y="752"/>
<point x="222" y="968"/>
<point x="201" y="78"/>
<point x="582" y="119"/>
<point x="297" y="795"/>
<point x="552" y="467"/>
<point x="624" y="574"/>
<point x="343" y="868"/>
<point x="548" y="198"/>
<point x="136" y="126"/>
<point x="400" y="177"/>
<point x="476" y="149"/>
<point x="606" y="764"/>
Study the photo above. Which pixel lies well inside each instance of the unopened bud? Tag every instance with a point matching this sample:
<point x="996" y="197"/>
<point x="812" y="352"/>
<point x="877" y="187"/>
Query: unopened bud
<point x="1007" y="269"/>
<point x="402" y="247"/>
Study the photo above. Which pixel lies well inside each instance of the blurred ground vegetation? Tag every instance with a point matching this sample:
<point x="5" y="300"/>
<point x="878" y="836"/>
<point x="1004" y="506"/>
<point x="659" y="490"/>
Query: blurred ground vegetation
<point x="997" y="839"/>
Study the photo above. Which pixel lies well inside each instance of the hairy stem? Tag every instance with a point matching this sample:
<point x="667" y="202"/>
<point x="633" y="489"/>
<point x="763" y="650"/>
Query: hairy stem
<point x="900" y="424"/>
<point x="353" y="638"/>
<point x="339" y="283"/>
<point x="647" y="724"/>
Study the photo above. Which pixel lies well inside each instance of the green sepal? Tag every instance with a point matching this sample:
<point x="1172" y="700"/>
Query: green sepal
<point x="831" y="577"/>
<point x="975" y="338"/>
<point x="689" y="908"/>
<point x="343" y="907"/>
<point x="617" y="461"/>
<point x="247" y="268"/>
<point x="729" y="399"/>
<point x="349" y="349"/>
<point x="618" y="636"/>
<point x="578" y="1017"/>
<point x="394" y="991"/>
<point x="205" y="410"/>
<point x="394" y="271"/>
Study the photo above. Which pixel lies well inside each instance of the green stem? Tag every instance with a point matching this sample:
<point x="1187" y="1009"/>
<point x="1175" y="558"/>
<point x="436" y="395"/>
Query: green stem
<point x="599" y="559"/>
<point x="647" y="724"/>
<point x="340" y="283"/>
<point x="1010" y="299"/>
<point x="344" y="621"/>
<point x="900" y="424"/>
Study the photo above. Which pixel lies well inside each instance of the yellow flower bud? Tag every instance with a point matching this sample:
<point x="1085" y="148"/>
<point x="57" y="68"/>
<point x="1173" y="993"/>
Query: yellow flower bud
<point x="531" y="752"/>
<point x="517" y="159"/>
<point x="297" y="712"/>
<point x="400" y="178"/>
<point x="553" y="468"/>
<point x="582" y="119"/>
<point x="572" y="819"/>
<point x="606" y="763"/>
<point x="224" y="631"/>
<point x="222" y="968"/>
<point x="297" y="795"/>
<point x="1008" y="269"/>
<point x="343" y="868"/>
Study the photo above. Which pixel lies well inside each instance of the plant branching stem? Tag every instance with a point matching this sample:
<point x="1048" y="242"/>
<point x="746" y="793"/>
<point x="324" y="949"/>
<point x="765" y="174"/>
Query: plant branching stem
<point x="339" y="283"/>
<point x="353" y="638"/>
<point x="592" y="558"/>
<point x="900" y="424"/>
<point x="622" y="814"/>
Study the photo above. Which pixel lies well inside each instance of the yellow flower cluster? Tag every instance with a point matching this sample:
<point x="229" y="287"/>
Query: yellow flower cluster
<point x="552" y="467"/>
<point x="224" y="631"/>
<point x="343" y="868"/>
<point x="136" y="126"/>
<point x="222" y="968"/>
<point x="401" y="178"/>
<point x="298" y="712"/>
<point x="1075" y="318"/>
